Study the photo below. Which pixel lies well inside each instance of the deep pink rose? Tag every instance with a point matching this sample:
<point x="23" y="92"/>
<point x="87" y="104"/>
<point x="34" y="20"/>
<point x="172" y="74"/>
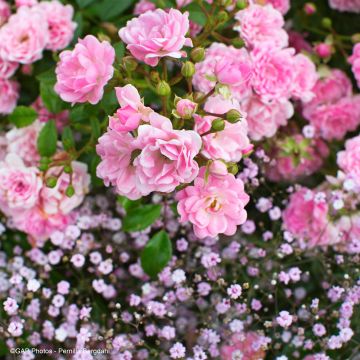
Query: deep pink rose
<point x="24" y="37"/>
<point x="323" y="50"/>
<point x="9" y="94"/>
<point x="157" y="34"/>
<point x="261" y="24"/>
<point x="83" y="72"/>
<point x="298" y="42"/>
<point x="228" y="144"/>
<point x="349" y="159"/>
<point x="354" y="60"/>
<point x="61" y="26"/>
<point x="214" y="205"/>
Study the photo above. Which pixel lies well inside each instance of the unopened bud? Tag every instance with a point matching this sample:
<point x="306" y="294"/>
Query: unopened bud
<point x="310" y="8"/>
<point x="233" y="116"/>
<point x="51" y="182"/>
<point x="238" y="43"/>
<point x="163" y="88"/>
<point x="241" y="4"/>
<point x="197" y="54"/>
<point x="218" y="125"/>
<point x="130" y="63"/>
<point x="222" y="17"/>
<point x="103" y="37"/>
<point x="188" y="69"/>
<point x="43" y="167"/>
<point x="326" y="23"/>
<point x="70" y="191"/>
<point x="154" y="76"/>
<point x="355" y="38"/>
<point x="232" y="168"/>
<point x="226" y="3"/>
<point x="67" y="169"/>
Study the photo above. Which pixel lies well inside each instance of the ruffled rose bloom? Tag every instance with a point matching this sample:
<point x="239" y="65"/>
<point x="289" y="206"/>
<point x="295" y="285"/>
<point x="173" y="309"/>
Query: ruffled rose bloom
<point x="285" y="168"/>
<point x="23" y="142"/>
<point x="83" y="72"/>
<point x="345" y="5"/>
<point x="29" y="3"/>
<point x="261" y="24"/>
<point x="305" y="78"/>
<point x="7" y="68"/>
<point x="305" y="217"/>
<point x="143" y="6"/>
<point x="298" y="42"/>
<point x="227" y="65"/>
<point x="280" y="64"/>
<point x="9" y="94"/>
<point x="354" y="60"/>
<point x="283" y="6"/>
<point x="19" y="185"/>
<point x="132" y="110"/>
<point x="157" y="34"/>
<point x="5" y="11"/>
<point x="243" y="346"/>
<point x="24" y="37"/>
<point x="264" y="119"/>
<point x="229" y="144"/>
<point x="167" y="156"/>
<point x="115" y="150"/>
<point x="214" y="205"/>
<point x="61" y="28"/>
<point x="349" y="159"/>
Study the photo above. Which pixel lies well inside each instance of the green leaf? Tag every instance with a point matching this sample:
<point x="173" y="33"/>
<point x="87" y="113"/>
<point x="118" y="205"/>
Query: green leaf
<point x="23" y="116"/>
<point x="156" y="254"/>
<point x="84" y="3"/>
<point x="127" y="203"/>
<point x="196" y="14"/>
<point x="119" y="50"/>
<point x="67" y="138"/>
<point x="110" y="9"/>
<point x="140" y="217"/>
<point x="46" y="142"/>
<point x="95" y="127"/>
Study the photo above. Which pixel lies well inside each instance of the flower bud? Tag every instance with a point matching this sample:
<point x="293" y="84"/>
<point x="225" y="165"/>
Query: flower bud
<point x="67" y="169"/>
<point x="232" y="168"/>
<point x="310" y="8"/>
<point x="218" y="168"/>
<point x="70" y="191"/>
<point x="233" y="116"/>
<point x="185" y="108"/>
<point x="241" y="4"/>
<point x="323" y="50"/>
<point x="43" y="167"/>
<point x="355" y="38"/>
<point x="130" y="63"/>
<point x="154" y="76"/>
<point x="218" y="125"/>
<point x="222" y="17"/>
<point x="326" y="23"/>
<point x="188" y="69"/>
<point x="226" y="3"/>
<point x="197" y="54"/>
<point x="238" y="43"/>
<point x="51" y="182"/>
<point x="163" y="88"/>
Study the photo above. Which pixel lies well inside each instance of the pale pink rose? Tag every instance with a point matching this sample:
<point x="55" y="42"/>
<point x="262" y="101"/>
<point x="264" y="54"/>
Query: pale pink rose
<point x="228" y="144"/>
<point x="23" y="142"/>
<point x="115" y="150"/>
<point x="157" y="34"/>
<point x="186" y="108"/>
<point x="243" y="346"/>
<point x="61" y="28"/>
<point x="5" y="11"/>
<point x="261" y="24"/>
<point x="7" y="68"/>
<point x="286" y="168"/>
<point x="167" y="156"/>
<point x="298" y="42"/>
<point x="143" y="6"/>
<point x="218" y="168"/>
<point x="305" y="78"/>
<point x="83" y="72"/>
<point x="24" y="37"/>
<point x="264" y="119"/>
<point x="323" y="50"/>
<point x="226" y="65"/>
<point x="54" y="200"/>
<point x="214" y="205"/>
<point x="349" y="159"/>
<point x="9" y="94"/>
<point x="283" y="6"/>
<point x="29" y="3"/>
<point x="19" y="185"/>
<point x="306" y="218"/>
<point x="277" y="62"/>
<point x="132" y="110"/>
<point x="354" y="60"/>
<point x="345" y="5"/>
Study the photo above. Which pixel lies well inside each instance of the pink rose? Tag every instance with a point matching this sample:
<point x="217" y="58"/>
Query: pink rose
<point x="298" y="42"/>
<point x="132" y="110"/>
<point x="9" y="94"/>
<point x="306" y="218"/>
<point x="264" y="119"/>
<point x="186" y="108"/>
<point x="83" y="72"/>
<point x="143" y="6"/>
<point x="354" y="60"/>
<point x="157" y="34"/>
<point x="227" y="65"/>
<point x="345" y="5"/>
<point x="24" y="37"/>
<point x="277" y="62"/>
<point x="61" y="28"/>
<point x="305" y="78"/>
<point x="261" y="24"/>
<point x="228" y="144"/>
<point x="19" y="185"/>
<point x="23" y="142"/>
<point x="115" y="150"/>
<point x="283" y="6"/>
<point x="349" y="159"/>
<point x="214" y="206"/>
<point x="323" y="50"/>
<point x="7" y="68"/>
<point x="5" y="11"/>
<point x="167" y="156"/>
<point x="29" y="3"/>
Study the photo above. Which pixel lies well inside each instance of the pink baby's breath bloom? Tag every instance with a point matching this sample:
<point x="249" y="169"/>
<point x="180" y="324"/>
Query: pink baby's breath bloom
<point x="7" y="68"/>
<point x="61" y="28"/>
<point x="214" y="205"/>
<point x="345" y="5"/>
<point x="24" y="37"/>
<point x="143" y="6"/>
<point x="354" y="60"/>
<point x="83" y="72"/>
<point x="260" y="24"/>
<point x="10" y="306"/>
<point x="349" y="159"/>
<point x="156" y="34"/>
<point x="9" y="94"/>
<point x="284" y="319"/>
